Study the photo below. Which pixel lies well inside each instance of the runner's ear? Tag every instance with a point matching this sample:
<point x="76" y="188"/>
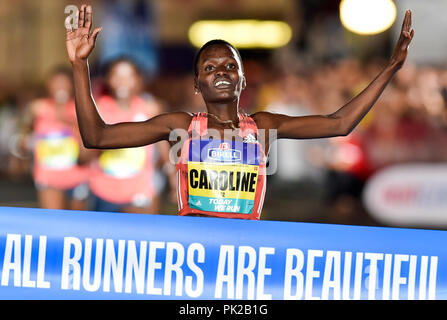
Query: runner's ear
<point x="196" y="86"/>
<point x="244" y="82"/>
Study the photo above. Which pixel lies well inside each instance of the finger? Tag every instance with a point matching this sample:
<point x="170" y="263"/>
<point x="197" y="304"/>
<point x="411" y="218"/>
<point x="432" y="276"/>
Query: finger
<point x="94" y="35"/>
<point x="88" y="17"/>
<point x="405" y="23"/>
<point x="408" y="36"/>
<point x="68" y="24"/>
<point x="81" y="17"/>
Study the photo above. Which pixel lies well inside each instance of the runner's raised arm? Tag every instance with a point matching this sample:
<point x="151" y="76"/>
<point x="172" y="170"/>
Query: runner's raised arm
<point x="95" y="133"/>
<point x="345" y="119"/>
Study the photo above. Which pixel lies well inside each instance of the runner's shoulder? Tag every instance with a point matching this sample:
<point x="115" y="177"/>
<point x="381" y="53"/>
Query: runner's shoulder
<point x="177" y="119"/>
<point x="266" y="119"/>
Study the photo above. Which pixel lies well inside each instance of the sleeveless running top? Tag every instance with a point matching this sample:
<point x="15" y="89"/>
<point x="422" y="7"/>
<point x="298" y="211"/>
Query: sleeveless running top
<point x="56" y="147"/>
<point x="124" y="176"/>
<point x="221" y="178"/>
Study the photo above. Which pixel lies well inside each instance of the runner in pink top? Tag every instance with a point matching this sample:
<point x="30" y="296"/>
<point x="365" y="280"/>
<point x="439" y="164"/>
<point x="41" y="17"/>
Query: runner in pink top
<point x="221" y="178"/>
<point x="126" y="179"/>
<point x="60" y="180"/>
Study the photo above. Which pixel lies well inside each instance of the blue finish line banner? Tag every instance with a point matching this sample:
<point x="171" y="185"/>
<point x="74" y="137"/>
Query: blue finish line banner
<point x="52" y="254"/>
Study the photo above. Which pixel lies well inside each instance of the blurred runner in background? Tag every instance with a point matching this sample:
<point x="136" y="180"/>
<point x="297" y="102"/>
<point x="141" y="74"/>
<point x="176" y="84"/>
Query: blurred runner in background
<point x="128" y="180"/>
<point x="49" y="129"/>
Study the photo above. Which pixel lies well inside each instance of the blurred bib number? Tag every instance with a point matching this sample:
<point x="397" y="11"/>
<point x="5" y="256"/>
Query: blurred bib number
<point x="57" y="151"/>
<point x="122" y="163"/>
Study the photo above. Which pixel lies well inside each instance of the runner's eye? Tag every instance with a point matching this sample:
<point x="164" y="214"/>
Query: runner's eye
<point x="231" y="66"/>
<point x="209" y="67"/>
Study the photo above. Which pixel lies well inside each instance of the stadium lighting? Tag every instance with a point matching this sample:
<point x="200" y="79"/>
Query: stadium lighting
<point x="367" y="17"/>
<point x="244" y="34"/>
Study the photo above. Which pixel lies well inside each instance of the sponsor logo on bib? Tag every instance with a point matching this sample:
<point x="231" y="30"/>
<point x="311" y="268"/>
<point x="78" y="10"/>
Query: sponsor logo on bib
<point x="225" y="155"/>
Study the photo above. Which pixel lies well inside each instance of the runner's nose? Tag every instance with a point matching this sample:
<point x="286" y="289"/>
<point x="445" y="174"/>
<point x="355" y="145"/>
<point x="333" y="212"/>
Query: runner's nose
<point x="221" y="71"/>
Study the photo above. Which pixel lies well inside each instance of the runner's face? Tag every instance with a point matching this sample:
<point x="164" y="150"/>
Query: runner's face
<point x="220" y="77"/>
<point x="60" y="88"/>
<point x="123" y="80"/>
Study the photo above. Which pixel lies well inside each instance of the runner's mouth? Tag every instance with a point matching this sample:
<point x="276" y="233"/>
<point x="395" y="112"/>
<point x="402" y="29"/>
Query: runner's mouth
<point x="222" y="84"/>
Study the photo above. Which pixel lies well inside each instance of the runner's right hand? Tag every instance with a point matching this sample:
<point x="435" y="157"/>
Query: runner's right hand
<point x="80" y="41"/>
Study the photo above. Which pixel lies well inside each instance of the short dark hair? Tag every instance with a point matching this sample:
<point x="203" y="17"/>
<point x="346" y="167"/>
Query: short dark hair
<point x="60" y="70"/>
<point x="110" y="64"/>
<point x="212" y="43"/>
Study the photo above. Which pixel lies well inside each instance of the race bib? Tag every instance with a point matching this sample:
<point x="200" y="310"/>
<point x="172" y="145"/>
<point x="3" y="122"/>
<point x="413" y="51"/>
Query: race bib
<point x="122" y="163"/>
<point x="57" y="151"/>
<point x="223" y="176"/>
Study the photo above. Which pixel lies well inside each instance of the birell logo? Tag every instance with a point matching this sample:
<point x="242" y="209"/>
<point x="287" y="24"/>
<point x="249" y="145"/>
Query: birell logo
<point x="224" y="153"/>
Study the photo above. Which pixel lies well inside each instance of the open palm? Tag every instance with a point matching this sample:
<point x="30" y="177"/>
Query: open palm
<point x="80" y="41"/>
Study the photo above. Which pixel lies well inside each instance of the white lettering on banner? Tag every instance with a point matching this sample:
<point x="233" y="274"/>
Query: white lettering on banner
<point x="294" y="274"/>
<point x="114" y="266"/>
<point x="371" y="280"/>
<point x="399" y="274"/>
<point x="242" y="272"/>
<point x="234" y="277"/>
<point x="194" y="293"/>
<point x="12" y="253"/>
<point x="22" y="270"/>
<point x="140" y="267"/>
<point x="71" y="269"/>
<point x="135" y="265"/>
<point x="311" y="273"/>
<point x="412" y="277"/>
<point x="153" y="265"/>
<point x="331" y="279"/>
<point x="172" y="267"/>
<point x="245" y="269"/>
<point x="262" y="272"/>
<point x="357" y="276"/>
<point x="225" y="272"/>
<point x="397" y="279"/>
<point x="41" y="282"/>
<point x="387" y="277"/>
<point x="27" y="282"/>
<point x="87" y="263"/>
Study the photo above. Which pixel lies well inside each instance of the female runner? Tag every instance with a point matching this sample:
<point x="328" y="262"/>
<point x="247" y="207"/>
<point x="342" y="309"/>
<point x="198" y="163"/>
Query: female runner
<point x="127" y="180"/>
<point x="60" y="170"/>
<point x="217" y="176"/>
